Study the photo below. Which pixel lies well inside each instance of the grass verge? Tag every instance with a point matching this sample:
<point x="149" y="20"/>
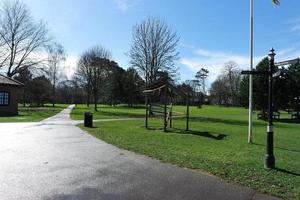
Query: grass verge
<point x="34" y="114"/>
<point x="107" y="112"/>
<point x="217" y="143"/>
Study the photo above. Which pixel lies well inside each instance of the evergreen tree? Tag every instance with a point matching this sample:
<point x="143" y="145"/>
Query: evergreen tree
<point x="133" y="86"/>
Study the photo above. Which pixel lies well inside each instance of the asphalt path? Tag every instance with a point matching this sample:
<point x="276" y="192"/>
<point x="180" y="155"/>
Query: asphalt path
<point x="54" y="159"/>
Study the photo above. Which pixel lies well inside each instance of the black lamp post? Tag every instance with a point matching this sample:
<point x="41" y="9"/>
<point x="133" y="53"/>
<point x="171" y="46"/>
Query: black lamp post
<point x="270" y="159"/>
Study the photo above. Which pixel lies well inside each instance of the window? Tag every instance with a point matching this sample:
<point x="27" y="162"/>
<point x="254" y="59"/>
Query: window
<point x="4" y="98"/>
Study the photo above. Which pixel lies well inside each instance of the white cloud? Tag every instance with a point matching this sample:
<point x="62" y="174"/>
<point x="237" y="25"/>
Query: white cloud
<point x="70" y="66"/>
<point x="187" y="46"/>
<point x="295" y="28"/>
<point x="122" y="4"/>
<point x="214" y="61"/>
<point x="287" y="54"/>
<point x="295" y="25"/>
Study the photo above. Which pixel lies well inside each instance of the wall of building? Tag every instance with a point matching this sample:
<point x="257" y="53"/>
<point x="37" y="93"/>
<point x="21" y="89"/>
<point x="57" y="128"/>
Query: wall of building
<point x="12" y="108"/>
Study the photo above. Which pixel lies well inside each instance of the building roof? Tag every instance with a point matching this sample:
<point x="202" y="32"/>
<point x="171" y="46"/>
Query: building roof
<point x="4" y="80"/>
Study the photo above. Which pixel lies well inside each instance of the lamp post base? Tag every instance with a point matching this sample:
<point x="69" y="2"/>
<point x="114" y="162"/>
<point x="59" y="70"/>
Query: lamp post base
<point x="269" y="162"/>
<point x="270" y="159"/>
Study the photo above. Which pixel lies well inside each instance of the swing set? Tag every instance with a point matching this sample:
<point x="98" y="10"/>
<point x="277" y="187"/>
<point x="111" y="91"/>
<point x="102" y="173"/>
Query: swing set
<point x="163" y="93"/>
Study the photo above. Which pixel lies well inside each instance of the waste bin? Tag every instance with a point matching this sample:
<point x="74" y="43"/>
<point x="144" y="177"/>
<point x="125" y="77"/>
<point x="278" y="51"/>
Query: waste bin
<point x="88" y="119"/>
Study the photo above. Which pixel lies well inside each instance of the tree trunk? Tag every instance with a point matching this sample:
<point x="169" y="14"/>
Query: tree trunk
<point x="89" y="91"/>
<point x="24" y="100"/>
<point x="53" y="99"/>
<point x="88" y="99"/>
<point x="96" y="107"/>
<point x="96" y="102"/>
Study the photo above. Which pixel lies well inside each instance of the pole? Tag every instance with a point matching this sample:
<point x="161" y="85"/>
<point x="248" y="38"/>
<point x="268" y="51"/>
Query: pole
<point x="251" y="77"/>
<point x="270" y="159"/>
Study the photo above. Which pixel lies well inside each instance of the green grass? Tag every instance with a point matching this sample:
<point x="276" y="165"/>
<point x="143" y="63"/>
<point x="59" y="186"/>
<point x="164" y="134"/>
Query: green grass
<point x="107" y="112"/>
<point x="217" y="143"/>
<point x="34" y="114"/>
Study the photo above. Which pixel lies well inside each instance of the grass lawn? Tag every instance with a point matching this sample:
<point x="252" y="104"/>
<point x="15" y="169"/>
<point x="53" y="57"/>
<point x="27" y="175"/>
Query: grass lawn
<point x="107" y="112"/>
<point x="217" y="143"/>
<point x="34" y="114"/>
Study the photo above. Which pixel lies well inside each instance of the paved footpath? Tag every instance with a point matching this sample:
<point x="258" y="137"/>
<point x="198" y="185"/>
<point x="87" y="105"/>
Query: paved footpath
<point x="54" y="159"/>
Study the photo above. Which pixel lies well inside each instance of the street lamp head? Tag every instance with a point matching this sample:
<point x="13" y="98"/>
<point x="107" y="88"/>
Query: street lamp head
<point x="272" y="54"/>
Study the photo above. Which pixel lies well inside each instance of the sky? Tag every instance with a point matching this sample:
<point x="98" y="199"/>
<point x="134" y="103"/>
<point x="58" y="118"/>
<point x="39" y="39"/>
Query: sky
<point x="211" y="32"/>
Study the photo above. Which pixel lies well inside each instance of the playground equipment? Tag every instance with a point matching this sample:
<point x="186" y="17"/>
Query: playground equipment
<point x="162" y="92"/>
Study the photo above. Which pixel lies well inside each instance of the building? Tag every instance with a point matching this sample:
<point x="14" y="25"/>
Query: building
<point x="9" y="91"/>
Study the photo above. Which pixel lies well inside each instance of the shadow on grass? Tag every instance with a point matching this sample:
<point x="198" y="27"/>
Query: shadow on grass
<point x="281" y="148"/>
<point x="289" y="121"/>
<point x="283" y="120"/>
<point x="225" y="121"/>
<point x="287" y="172"/>
<point x="106" y="114"/>
<point x="119" y="114"/>
<point x="131" y="107"/>
<point x="93" y="127"/>
<point x="214" y="136"/>
<point x="21" y="115"/>
<point x="116" y="107"/>
<point x="154" y="128"/>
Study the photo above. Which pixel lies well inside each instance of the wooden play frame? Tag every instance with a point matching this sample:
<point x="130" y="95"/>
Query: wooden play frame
<point x="167" y="91"/>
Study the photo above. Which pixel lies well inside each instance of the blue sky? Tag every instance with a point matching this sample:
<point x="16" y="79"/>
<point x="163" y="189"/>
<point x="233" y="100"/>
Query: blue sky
<point x="212" y="32"/>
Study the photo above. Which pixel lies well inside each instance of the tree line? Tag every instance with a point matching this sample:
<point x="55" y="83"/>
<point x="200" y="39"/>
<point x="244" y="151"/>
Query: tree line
<point x="232" y="89"/>
<point x="286" y="88"/>
<point x="105" y="81"/>
<point x="30" y="55"/>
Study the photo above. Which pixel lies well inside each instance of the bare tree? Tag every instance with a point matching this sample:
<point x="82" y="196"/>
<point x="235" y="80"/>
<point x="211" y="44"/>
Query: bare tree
<point x="84" y="73"/>
<point x="93" y="67"/>
<point x="100" y="72"/>
<point x="232" y="75"/>
<point x="225" y="90"/>
<point x="219" y="91"/>
<point x="153" y="49"/>
<point x="21" y="38"/>
<point x="56" y="54"/>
